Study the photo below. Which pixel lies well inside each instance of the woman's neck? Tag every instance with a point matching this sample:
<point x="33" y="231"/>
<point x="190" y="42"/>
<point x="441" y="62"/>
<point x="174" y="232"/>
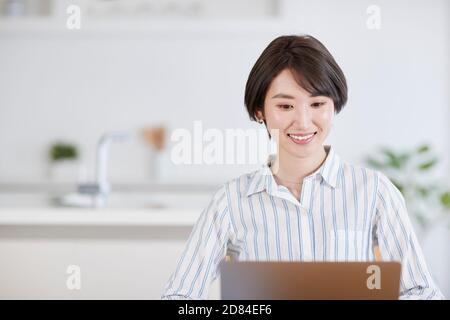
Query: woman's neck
<point x="289" y="169"/>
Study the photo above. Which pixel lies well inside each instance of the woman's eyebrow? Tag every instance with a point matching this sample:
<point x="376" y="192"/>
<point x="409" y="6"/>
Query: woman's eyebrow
<point x="287" y="96"/>
<point x="282" y="95"/>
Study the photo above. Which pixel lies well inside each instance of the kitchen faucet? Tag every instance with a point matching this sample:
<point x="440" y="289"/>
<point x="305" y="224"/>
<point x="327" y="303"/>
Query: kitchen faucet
<point x="99" y="190"/>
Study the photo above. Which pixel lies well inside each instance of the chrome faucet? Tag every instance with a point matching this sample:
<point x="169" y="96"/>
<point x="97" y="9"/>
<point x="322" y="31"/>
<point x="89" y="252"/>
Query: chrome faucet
<point x="100" y="189"/>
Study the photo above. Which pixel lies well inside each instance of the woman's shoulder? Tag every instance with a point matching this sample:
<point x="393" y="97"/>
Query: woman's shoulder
<point x="365" y="176"/>
<point x="356" y="171"/>
<point x="237" y="186"/>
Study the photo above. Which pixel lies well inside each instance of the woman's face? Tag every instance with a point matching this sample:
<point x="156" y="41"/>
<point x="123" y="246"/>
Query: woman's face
<point x="291" y="109"/>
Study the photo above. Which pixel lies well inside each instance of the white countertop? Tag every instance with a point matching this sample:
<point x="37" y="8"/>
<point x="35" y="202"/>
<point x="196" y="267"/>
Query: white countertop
<point x="98" y="217"/>
<point x="170" y="209"/>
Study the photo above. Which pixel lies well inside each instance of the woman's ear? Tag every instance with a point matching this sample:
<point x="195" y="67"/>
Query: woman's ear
<point x="259" y="116"/>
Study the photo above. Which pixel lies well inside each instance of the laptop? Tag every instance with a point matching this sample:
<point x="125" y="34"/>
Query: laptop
<point x="251" y="280"/>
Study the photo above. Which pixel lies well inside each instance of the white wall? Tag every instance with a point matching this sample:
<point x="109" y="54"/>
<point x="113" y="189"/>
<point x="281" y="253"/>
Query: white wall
<point x="75" y="86"/>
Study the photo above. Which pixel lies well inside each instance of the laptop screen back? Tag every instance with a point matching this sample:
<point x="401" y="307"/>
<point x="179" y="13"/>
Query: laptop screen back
<point x="310" y="280"/>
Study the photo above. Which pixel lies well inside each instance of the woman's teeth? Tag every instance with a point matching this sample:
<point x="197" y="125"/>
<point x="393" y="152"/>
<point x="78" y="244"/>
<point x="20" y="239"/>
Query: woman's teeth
<point x="301" y="137"/>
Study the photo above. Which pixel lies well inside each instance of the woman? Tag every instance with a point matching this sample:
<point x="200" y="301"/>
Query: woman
<point x="305" y="203"/>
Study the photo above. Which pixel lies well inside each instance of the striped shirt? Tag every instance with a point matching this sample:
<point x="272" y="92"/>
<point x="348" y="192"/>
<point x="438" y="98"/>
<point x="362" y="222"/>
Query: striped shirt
<point x="343" y="212"/>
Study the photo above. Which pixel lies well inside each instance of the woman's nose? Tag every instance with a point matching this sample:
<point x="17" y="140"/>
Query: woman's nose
<point x="302" y="117"/>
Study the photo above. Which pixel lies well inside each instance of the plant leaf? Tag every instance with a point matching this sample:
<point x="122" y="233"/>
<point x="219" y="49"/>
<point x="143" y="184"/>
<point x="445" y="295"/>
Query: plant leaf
<point x="428" y="165"/>
<point x="423" y="191"/>
<point x="423" y="148"/>
<point x="374" y="163"/>
<point x="60" y="151"/>
<point x="393" y="159"/>
<point x="403" y="158"/>
<point x="445" y="199"/>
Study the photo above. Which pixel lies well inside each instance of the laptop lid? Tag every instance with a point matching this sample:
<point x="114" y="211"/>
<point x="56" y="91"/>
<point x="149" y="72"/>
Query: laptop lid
<point x="310" y="280"/>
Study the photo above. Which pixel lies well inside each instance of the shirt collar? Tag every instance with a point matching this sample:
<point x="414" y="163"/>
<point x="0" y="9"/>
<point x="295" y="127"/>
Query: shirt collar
<point x="263" y="178"/>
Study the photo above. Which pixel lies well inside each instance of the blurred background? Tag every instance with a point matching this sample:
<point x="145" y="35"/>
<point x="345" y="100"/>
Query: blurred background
<point x="90" y="92"/>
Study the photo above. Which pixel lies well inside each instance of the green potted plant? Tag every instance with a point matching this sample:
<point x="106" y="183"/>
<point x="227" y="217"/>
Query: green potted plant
<point x="63" y="159"/>
<point x="426" y="195"/>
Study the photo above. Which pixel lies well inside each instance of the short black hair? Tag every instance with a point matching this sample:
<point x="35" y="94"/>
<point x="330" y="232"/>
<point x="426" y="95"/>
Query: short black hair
<point x="312" y="65"/>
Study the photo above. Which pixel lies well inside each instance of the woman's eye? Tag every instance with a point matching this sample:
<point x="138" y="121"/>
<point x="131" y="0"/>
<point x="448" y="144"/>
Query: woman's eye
<point x="285" y="106"/>
<point x="318" y="104"/>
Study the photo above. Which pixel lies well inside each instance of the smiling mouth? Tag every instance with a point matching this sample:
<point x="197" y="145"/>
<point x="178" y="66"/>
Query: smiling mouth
<point x="302" y="137"/>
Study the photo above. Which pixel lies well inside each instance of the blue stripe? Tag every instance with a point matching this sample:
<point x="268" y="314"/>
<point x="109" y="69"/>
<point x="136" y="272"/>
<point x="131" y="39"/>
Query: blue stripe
<point x="266" y="235"/>
<point x="373" y="211"/>
<point x="366" y="204"/>
<point x="322" y="214"/>
<point x="333" y="210"/>
<point x="255" y="228"/>
<point x="299" y="229"/>
<point x="241" y="215"/>
<point x="344" y="211"/>
<point x="277" y="228"/>
<point x="311" y="221"/>
<point x="288" y="227"/>
<point x="355" y="203"/>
